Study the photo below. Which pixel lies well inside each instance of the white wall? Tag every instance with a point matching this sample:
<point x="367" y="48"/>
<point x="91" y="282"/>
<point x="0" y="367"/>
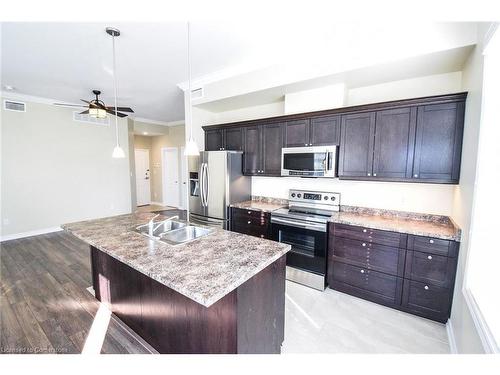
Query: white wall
<point x="56" y="170"/>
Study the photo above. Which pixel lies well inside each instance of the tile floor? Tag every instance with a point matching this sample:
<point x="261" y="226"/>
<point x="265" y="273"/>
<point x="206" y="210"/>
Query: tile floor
<point x="334" y="322"/>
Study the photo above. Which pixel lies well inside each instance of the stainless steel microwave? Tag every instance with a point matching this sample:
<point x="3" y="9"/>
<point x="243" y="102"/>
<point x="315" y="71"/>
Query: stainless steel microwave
<point x="318" y="161"/>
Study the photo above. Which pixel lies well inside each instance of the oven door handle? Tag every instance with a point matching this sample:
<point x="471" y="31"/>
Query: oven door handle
<point x="298" y="224"/>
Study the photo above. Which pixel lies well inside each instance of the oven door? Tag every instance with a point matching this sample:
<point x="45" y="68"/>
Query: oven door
<point x="308" y="241"/>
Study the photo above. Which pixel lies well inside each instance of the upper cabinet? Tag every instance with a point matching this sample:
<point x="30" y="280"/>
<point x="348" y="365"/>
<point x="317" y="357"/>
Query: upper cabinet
<point x="438" y="145"/>
<point x="318" y="131"/>
<point x="411" y="140"/>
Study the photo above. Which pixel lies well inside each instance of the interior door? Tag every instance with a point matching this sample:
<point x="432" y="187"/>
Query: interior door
<point x="171" y="176"/>
<point x="142" y="177"/>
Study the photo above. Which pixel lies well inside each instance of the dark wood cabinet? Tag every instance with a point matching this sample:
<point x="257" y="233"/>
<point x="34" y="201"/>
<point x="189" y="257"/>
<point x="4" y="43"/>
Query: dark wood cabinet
<point x="410" y="273"/>
<point x="251" y="222"/>
<point x="411" y="140"/>
<point x="233" y="139"/>
<point x="252" y="150"/>
<point x="394" y="143"/>
<point x="213" y="140"/>
<point x="356" y="145"/>
<point x="439" y="142"/>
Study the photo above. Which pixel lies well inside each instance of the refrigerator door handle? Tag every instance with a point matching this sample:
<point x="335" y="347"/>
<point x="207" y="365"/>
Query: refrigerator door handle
<point x="207" y="192"/>
<point x="201" y="184"/>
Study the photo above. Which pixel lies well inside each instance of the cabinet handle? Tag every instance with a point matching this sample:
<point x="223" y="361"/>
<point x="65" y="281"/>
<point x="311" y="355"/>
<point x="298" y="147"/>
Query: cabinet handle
<point x="261" y="236"/>
<point x="363" y="244"/>
<point x="362" y="271"/>
<point x="310" y="144"/>
<point x="368" y="174"/>
<point x="364" y="230"/>
<point x="374" y="175"/>
<point x="429" y="257"/>
<point x="431" y="241"/>
<point x="249" y="212"/>
<point x="426" y="287"/>
<point x="249" y="222"/>
<point x="415" y="175"/>
<point x="305" y="144"/>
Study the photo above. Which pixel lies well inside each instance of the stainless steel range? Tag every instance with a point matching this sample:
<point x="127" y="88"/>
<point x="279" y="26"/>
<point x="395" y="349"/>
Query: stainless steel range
<point x="304" y="226"/>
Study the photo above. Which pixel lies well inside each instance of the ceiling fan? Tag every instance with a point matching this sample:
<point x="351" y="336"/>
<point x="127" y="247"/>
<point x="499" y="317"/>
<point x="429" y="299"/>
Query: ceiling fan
<point x="97" y="108"/>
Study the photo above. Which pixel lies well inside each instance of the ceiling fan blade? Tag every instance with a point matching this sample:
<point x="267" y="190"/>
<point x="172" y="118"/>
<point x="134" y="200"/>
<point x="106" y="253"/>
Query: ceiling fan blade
<point x="123" y="109"/>
<point x="93" y="105"/>
<point x="69" y="105"/>
<point x="118" y="114"/>
<point x="85" y="112"/>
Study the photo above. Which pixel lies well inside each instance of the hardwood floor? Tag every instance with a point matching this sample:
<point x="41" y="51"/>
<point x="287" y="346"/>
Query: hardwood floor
<point x="45" y="307"/>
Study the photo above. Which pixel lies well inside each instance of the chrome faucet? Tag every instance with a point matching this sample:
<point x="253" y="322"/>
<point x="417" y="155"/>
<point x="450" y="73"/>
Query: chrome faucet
<point x="151" y="223"/>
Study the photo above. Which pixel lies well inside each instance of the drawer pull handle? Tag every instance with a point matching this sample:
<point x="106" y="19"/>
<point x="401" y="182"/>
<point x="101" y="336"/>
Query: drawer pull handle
<point x="415" y="175"/>
<point x="249" y="222"/>
<point x="363" y="244"/>
<point x="368" y="174"/>
<point x="426" y="287"/>
<point x="431" y="241"/>
<point x="249" y="212"/>
<point x="364" y="230"/>
<point x="362" y="271"/>
<point x="429" y="257"/>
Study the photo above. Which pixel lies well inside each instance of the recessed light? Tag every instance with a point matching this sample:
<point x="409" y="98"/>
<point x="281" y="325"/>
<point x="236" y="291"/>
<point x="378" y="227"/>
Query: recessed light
<point x="145" y="133"/>
<point x="9" y="87"/>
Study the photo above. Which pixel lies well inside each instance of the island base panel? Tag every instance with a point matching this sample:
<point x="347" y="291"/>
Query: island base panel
<point x="250" y="319"/>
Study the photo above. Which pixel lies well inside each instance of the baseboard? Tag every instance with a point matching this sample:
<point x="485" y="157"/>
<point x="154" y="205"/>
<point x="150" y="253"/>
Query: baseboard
<point x="489" y="344"/>
<point x="451" y="337"/>
<point x="158" y="203"/>
<point x="15" y="236"/>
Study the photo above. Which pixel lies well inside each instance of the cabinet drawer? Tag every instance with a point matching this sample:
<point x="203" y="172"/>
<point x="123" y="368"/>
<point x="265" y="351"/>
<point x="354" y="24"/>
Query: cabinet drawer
<point x="376" y="257"/>
<point x="253" y="215"/>
<point x="380" y="237"/>
<point x="435" y="269"/>
<point x="427" y="300"/>
<point x="261" y="231"/>
<point x="365" y="283"/>
<point x="433" y="245"/>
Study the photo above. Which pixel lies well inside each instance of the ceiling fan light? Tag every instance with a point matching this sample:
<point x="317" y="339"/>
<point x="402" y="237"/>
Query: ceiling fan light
<point x="97" y="112"/>
<point x="118" y="152"/>
<point x="191" y="148"/>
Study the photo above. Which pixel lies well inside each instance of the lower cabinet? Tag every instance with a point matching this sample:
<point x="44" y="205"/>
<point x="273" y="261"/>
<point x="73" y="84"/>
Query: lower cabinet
<point x="251" y="222"/>
<point x="385" y="267"/>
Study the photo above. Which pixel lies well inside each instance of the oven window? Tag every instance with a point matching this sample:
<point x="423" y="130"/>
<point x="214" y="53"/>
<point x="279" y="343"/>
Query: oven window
<point x="304" y="161"/>
<point x="302" y="243"/>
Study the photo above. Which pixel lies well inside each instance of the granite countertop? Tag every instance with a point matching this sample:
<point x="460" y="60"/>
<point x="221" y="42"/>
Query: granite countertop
<point x="204" y="270"/>
<point x="417" y="224"/>
<point x="262" y="204"/>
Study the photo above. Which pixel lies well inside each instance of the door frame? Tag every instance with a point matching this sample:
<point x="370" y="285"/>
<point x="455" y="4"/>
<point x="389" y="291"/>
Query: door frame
<point x="149" y="200"/>
<point x="183" y="172"/>
<point x="163" y="175"/>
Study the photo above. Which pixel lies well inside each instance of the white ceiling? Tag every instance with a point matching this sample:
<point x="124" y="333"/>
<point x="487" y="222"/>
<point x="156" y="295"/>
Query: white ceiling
<point x="65" y="61"/>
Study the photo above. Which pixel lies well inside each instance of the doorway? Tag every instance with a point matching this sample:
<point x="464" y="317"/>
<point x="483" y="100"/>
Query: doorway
<point x="142" y="177"/>
<point x="170" y="176"/>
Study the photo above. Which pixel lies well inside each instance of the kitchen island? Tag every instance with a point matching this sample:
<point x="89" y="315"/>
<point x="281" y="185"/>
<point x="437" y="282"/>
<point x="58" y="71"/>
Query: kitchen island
<point x="222" y="293"/>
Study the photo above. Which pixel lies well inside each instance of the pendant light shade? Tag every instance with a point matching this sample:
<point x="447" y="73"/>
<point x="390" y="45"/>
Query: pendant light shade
<point x="118" y="152"/>
<point x="191" y="148"/>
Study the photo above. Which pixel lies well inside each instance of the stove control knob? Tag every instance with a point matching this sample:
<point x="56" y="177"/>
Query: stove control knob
<point x="325" y="198"/>
<point x="299" y="195"/>
<point x="332" y="198"/>
<point x="293" y="195"/>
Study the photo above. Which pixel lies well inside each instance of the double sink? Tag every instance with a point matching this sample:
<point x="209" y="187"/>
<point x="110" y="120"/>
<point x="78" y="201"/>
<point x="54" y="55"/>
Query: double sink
<point x="172" y="232"/>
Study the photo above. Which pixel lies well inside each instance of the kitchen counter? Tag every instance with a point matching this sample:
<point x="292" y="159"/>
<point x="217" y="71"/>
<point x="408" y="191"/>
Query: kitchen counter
<point x="204" y="270"/>
<point x="417" y="224"/>
<point x="262" y="204"/>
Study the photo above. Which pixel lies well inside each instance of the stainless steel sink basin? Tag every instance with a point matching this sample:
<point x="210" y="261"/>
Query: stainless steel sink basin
<point x="160" y="228"/>
<point x="182" y="235"/>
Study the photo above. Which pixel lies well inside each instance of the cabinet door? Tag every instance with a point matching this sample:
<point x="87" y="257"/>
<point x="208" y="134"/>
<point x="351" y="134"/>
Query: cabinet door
<point x="394" y="143"/>
<point x="252" y="159"/>
<point x="324" y="131"/>
<point x="213" y="140"/>
<point x="297" y="133"/>
<point x="438" y="145"/>
<point x="427" y="300"/>
<point x="233" y="139"/>
<point x="356" y="145"/>
<point x="272" y="142"/>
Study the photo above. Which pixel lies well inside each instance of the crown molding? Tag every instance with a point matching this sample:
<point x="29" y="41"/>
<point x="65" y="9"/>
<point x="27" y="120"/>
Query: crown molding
<point x="30" y="98"/>
<point x="157" y="122"/>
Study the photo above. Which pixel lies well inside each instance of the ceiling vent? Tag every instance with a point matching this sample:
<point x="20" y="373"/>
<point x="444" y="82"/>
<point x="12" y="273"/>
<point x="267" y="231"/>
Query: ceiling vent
<point x="10" y="105"/>
<point x="197" y="93"/>
<point x="77" y="116"/>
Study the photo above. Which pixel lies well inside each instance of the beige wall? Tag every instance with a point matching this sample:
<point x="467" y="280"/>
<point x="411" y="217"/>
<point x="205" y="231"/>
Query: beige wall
<point x="56" y="170"/>
<point x="174" y="138"/>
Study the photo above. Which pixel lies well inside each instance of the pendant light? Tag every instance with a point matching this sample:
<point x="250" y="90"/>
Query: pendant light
<point x="191" y="148"/>
<point x="117" y="151"/>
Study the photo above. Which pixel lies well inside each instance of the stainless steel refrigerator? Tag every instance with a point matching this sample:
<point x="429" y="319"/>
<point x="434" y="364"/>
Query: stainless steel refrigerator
<point x="215" y="182"/>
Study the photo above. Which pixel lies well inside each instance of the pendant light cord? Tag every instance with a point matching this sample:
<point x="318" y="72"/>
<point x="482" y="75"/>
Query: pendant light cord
<point x="190" y="118"/>
<point x="114" y="83"/>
